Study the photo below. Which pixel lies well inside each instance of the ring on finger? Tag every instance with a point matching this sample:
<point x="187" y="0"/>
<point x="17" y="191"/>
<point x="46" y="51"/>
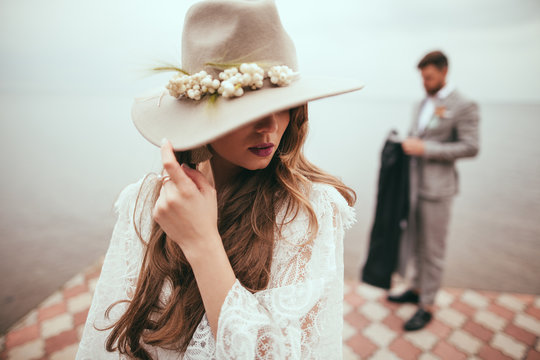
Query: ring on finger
<point x="164" y="179"/>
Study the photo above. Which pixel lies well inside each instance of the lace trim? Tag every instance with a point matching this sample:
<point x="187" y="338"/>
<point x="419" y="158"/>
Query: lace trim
<point x="298" y="316"/>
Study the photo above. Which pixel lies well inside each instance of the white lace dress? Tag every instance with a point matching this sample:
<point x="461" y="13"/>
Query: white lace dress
<point x="298" y="316"/>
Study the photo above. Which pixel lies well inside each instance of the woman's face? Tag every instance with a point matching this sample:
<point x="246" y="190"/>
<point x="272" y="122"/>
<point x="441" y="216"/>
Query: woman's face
<point x="253" y="145"/>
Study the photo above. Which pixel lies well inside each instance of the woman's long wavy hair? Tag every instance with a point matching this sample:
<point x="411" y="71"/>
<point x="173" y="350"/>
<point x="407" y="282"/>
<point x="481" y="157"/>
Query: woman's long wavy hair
<point x="247" y="212"/>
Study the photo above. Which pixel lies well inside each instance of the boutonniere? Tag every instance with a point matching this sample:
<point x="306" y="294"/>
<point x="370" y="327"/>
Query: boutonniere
<point x="441" y="112"/>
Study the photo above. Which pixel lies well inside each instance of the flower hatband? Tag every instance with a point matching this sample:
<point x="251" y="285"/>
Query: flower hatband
<point x="231" y="83"/>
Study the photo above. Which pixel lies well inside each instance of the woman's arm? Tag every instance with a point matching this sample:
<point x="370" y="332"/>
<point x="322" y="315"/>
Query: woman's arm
<point x="187" y="211"/>
<point x="215" y="277"/>
<point x="300" y="314"/>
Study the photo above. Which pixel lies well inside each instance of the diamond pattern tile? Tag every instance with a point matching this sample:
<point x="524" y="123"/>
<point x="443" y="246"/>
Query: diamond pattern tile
<point x="468" y="324"/>
<point x="424" y="339"/>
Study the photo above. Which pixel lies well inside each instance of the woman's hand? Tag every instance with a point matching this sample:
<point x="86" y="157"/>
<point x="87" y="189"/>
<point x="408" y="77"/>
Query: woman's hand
<point x="186" y="208"/>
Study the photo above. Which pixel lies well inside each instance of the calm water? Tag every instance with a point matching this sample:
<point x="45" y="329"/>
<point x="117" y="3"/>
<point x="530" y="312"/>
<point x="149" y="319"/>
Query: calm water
<point x="65" y="159"/>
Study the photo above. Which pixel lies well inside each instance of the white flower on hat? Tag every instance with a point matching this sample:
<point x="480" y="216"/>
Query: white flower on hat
<point x="281" y="75"/>
<point x="231" y="87"/>
<point x="253" y="75"/>
<point x="193" y="86"/>
<point x="228" y="73"/>
<point x="231" y="84"/>
<point x="233" y="81"/>
<point x="178" y="85"/>
<point x="209" y="85"/>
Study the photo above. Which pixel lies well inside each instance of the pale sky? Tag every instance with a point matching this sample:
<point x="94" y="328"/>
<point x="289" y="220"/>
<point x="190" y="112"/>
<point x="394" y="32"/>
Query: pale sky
<point x="103" y="46"/>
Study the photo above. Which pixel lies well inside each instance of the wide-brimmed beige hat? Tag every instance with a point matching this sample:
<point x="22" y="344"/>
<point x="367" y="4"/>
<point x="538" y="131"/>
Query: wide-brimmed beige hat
<point x="220" y="35"/>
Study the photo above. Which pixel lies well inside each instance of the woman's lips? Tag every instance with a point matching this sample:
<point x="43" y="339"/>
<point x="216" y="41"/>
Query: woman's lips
<point x="262" y="150"/>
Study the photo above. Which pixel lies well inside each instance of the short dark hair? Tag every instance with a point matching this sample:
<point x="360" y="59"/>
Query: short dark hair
<point x="436" y="58"/>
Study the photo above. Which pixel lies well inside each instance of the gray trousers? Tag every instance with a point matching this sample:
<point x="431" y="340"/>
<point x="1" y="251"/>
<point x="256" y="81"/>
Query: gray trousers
<point x="423" y="243"/>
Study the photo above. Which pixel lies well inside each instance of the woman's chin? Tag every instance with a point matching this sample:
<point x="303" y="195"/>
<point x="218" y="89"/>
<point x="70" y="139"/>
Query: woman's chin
<point x="258" y="164"/>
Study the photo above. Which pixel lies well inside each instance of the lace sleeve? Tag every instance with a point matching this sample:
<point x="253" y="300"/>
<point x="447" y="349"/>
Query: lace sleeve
<point x="300" y="314"/>
<point x="117" y="280"/>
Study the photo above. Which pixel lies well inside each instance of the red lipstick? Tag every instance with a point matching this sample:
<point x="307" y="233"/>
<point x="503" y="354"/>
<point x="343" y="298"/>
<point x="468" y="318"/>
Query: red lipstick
<point x="262" y="150"/>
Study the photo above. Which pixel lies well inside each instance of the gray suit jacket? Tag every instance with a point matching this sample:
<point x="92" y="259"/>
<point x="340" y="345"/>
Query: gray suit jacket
<point x="447" y="138"/>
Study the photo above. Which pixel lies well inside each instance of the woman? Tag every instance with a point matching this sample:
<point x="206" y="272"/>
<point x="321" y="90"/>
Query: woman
<point x="236" y="250"/>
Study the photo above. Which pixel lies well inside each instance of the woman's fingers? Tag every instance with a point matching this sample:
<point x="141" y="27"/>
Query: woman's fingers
<point x="198" y="178"/>
<point x="159" y="207"/>
<point x="186" y="208"/>
<point x="172" y="167"/>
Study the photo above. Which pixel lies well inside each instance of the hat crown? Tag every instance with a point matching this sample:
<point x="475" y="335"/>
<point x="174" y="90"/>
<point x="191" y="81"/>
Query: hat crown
<point x="235" y="31"/>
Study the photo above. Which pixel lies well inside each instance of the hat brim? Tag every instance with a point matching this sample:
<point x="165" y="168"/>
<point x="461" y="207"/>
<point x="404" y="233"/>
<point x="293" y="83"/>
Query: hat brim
<point x="188" y="123"/>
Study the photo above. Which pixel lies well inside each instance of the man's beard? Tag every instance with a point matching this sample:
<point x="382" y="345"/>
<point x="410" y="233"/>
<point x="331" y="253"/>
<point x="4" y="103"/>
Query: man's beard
<point x="435" y="90"/>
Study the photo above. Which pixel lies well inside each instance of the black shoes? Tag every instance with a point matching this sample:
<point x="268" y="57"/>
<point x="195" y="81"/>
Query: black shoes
<point x="408" y="296"/>
<point x="420" y="319"/>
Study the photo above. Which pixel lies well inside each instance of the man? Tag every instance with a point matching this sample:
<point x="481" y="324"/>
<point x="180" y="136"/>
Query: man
<point x="444" y="129"/>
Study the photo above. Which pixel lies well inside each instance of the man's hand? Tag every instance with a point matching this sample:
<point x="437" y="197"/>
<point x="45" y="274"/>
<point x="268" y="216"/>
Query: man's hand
<point x="413" y="146"/>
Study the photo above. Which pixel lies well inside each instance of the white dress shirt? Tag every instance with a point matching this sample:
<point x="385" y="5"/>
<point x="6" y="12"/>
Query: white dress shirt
<point x="428" y="109"/>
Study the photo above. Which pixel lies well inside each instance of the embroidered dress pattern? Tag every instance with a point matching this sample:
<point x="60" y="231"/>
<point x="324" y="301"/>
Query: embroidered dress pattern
<point x="299" y="315"/>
